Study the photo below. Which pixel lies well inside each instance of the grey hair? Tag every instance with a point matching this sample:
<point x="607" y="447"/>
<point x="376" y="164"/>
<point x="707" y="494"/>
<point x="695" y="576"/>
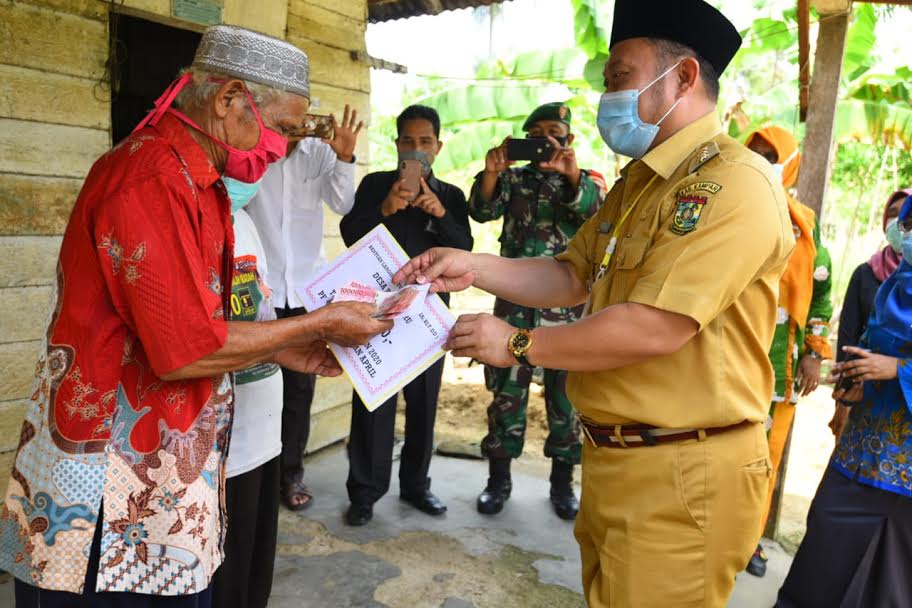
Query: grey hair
<point x="205" y="84"/>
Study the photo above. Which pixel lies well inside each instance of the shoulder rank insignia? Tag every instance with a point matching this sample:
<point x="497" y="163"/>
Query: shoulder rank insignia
<point x="706" y="153"/>
<point x="688" y="213"/>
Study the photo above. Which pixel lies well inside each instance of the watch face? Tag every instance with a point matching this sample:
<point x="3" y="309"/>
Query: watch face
<point x="520" y="341"/>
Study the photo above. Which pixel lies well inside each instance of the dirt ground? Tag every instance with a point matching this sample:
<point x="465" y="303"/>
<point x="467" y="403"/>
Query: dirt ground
<point x="461" y="413"/>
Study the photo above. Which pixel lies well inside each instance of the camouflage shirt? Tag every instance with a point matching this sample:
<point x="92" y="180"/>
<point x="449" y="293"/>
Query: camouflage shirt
<point x="541" y="214"/>
<point x="540" y="210"/>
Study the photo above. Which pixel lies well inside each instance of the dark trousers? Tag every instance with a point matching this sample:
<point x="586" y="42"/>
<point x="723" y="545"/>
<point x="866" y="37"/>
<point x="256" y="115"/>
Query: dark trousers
<point x="244" y="580"/>
<point x="33" y="597"/>
<point x="370" y="446"/>
<point x="856" y="552"/>
<point x="297" y="399"/>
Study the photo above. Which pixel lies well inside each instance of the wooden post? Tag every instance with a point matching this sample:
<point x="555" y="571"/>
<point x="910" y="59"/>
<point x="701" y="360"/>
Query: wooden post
<point x="824" y="97"/>
<point x="804" y="57"/>
<point x="815" y="167"/>
<point x="772" y="522"/>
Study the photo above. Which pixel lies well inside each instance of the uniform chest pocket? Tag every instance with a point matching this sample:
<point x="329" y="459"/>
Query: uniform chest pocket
<point x="631" y="252"/>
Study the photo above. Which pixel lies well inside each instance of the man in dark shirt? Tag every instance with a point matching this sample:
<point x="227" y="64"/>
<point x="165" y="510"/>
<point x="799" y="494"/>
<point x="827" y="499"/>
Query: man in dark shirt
<point x="436" y="216"/>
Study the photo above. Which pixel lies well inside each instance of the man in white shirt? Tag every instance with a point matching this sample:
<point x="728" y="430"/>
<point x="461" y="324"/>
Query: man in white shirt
<point x="288" y="213"/>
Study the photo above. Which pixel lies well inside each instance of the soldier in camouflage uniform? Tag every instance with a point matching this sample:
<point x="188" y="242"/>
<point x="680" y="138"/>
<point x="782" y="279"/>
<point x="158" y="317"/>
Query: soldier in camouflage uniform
<point x="543" y="206"/>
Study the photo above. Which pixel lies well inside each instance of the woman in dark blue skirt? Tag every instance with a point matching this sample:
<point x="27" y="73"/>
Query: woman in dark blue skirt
<point x="857" y="552"/>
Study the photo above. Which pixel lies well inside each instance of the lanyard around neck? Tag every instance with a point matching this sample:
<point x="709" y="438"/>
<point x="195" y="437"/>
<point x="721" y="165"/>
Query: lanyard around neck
<point x="612" y="244"/>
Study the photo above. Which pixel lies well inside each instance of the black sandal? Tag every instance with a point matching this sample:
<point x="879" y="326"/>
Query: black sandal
<point x="295" y="490"/>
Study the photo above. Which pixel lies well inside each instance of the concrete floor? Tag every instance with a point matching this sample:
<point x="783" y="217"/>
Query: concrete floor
<point x="525" y="557"/>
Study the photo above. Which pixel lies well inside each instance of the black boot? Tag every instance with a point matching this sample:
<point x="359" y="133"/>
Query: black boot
<point x="497" y="492"/>
<point x="562" y="497"/>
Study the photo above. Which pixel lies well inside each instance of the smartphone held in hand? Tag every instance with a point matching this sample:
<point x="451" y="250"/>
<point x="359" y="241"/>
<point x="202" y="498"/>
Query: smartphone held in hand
<point x="534" y="149"/>
<point x="410" y="174"/>
<point x="316" y="125"/>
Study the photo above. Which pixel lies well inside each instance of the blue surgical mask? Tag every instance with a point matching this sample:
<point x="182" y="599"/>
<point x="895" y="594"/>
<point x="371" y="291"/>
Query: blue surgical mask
<point x="907" y="247"/>
<point x="779" y="168"/>
<point x="894" y="235"/>
<point x="240" y="192"/>
<point x="620" y="124"/>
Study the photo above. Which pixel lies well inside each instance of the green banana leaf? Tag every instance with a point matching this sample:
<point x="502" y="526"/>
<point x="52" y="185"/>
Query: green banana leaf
<point x="874" y="122"/>
<point x="860" y="43"/>
<point x="493" y="100"/>
<point x="591" y="35"/>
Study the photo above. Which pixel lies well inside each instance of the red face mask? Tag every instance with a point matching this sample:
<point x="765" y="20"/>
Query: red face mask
<point x="245" y="165"/>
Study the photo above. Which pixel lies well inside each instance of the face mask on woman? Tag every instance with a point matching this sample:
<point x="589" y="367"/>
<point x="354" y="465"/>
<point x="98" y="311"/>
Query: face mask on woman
<point x="779" y="168"/>
<point x="907" y="247"/>
<point x="894" y="235"/>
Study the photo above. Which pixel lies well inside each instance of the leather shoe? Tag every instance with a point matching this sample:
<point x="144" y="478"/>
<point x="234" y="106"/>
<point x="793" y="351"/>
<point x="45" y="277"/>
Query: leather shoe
<point x="565" y="505"/>
<point x="757" y="563"/>
<point x="425" y="502"/>
<point x="359" y="514"/>
<point x="496" y="493"/>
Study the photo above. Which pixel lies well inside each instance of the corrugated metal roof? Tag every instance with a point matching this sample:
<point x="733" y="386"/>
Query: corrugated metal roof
<point x="387" y="10"/>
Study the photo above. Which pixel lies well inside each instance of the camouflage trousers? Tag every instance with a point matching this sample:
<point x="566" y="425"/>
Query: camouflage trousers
<point x="510" y="386"/>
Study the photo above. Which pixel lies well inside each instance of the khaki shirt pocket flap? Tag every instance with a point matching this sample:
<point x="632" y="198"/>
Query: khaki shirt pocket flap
<point x="631" y="252"/>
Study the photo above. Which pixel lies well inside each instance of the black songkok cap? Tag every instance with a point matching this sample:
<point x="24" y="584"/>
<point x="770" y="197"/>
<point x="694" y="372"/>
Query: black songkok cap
<point x="693" y="23"/>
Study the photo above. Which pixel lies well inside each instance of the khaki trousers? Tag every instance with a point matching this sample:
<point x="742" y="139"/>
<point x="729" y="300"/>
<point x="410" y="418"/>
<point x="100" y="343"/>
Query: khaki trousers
<point x="671" y="525"/>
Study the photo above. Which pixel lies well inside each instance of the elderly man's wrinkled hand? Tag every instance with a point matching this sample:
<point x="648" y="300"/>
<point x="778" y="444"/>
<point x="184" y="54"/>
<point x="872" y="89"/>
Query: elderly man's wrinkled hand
<point x="314" y="358"/>
<point x="350" y="324"/>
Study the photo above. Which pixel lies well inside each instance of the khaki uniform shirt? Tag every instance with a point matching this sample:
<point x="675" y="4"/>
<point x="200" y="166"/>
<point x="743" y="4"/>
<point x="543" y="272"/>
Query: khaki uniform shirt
<point x="709" y="239"/>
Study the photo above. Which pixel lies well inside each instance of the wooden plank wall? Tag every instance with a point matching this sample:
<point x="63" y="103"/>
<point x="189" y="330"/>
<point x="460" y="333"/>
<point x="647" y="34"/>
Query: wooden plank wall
<point x="55" y="120"/>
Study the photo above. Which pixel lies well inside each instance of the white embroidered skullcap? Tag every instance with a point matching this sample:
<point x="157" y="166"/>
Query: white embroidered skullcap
<point x="249" y="55"/>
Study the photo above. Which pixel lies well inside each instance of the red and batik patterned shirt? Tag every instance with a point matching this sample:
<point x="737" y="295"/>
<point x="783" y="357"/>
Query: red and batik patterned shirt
<point x="143" y="283"/>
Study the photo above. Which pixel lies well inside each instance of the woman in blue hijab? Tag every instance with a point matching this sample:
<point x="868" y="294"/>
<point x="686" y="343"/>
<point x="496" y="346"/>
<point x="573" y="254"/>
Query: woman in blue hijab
<point x="857" y="551"/>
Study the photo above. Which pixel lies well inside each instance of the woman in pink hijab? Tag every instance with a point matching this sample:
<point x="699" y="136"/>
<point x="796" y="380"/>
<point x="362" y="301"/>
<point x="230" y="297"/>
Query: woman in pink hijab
<point x="859" y="297"/>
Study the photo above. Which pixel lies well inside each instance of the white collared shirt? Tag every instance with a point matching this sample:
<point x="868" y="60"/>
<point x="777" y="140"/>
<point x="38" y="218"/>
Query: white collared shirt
<point x="288" y="213"/>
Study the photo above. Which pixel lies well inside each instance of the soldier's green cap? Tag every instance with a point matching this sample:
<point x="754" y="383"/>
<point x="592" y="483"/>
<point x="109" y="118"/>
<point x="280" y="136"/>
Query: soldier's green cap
<point x="550" y="111"/>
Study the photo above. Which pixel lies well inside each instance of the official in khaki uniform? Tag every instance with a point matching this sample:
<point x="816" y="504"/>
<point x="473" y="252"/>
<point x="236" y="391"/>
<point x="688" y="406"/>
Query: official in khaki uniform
<point x="680" y="272"/>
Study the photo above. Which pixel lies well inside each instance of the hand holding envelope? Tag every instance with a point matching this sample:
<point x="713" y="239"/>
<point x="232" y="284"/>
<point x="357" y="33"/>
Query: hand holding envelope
<point x="388" y="305"/>
<point x="419" y="323"/>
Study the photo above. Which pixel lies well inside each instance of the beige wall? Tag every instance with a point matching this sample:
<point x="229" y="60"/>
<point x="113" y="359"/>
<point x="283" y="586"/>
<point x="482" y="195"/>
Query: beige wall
<point x="55" y="121"/>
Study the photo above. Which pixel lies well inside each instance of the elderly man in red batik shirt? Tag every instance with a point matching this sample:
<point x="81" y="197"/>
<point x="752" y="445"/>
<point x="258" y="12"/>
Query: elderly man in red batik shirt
<point x="119" y="476"/>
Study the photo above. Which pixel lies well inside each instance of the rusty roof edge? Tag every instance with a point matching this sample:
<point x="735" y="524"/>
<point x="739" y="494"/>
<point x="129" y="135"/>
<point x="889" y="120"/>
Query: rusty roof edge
<point x="390" y="10"/>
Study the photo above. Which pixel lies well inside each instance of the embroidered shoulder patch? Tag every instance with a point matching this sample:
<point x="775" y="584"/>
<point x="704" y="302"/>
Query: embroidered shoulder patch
<point x="710" y="187"/>
<point x="688" y="213"/>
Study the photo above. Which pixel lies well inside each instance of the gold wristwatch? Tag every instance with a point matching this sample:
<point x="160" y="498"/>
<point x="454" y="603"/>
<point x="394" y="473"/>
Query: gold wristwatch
<point x="519" y="344"/>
